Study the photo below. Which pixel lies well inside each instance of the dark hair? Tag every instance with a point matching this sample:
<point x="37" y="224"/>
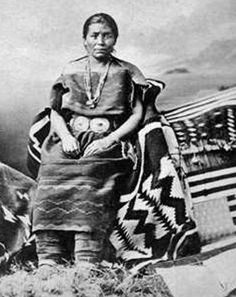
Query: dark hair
<point x="101" y="18"/>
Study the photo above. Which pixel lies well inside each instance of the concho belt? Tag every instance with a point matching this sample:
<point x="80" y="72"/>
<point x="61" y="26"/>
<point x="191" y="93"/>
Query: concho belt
<point x="82" y="123"/>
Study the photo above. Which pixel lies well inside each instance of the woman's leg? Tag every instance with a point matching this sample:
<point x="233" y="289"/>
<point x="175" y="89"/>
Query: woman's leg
<point x="88" y="247"/>
<point x="53" y="247"/>
<point x="93" y="247"/>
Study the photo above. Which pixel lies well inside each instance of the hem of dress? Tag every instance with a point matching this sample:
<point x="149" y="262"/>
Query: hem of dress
<point x="74" y="228"/>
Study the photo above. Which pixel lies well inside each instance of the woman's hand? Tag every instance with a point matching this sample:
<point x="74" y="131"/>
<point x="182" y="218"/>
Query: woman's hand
<point x="99" y="145"/>
<point x="70" y="145"/>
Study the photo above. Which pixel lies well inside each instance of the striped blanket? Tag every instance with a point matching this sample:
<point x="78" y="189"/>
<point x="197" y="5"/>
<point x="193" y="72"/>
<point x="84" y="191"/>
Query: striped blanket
<point x="206" y="131"/>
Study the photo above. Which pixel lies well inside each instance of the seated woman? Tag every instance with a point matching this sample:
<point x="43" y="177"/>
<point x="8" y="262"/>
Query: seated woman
<point x="96" y="107"/>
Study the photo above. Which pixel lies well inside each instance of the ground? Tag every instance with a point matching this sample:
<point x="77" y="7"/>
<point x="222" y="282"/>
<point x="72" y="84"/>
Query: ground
<point x="83" y="282"/>
<point x="209" y="274"/>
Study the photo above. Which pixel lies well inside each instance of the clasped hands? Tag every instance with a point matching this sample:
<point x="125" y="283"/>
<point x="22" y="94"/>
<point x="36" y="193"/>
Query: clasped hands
<point x="71" y="146"/>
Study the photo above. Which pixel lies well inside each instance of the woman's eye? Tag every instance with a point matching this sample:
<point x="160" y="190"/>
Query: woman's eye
<point x="108" y="36"/>
<point x="94" y="35"/>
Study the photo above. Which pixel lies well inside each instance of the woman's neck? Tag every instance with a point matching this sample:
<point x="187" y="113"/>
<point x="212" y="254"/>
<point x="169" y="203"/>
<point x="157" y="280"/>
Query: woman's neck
<point x="98" y="64"/>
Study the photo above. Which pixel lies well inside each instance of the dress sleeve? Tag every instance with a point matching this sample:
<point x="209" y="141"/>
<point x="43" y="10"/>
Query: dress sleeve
<point x="137" y="76"/>
<point x="135" y="73"/>
<point x="138" y="85"/>
<point x="57" y="91"/>
<point x="137" y="92"/>
<point x="138" y="82"/>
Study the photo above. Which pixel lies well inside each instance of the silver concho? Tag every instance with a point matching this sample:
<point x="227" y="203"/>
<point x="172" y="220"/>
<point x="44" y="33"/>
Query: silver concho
<point x="99" y="125"/>
<point x="79" y="123"/>
<point x="82" y="123"/>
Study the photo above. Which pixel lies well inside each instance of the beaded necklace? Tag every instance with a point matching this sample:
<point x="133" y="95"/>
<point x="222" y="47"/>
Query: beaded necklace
<point x="93" y="99"/>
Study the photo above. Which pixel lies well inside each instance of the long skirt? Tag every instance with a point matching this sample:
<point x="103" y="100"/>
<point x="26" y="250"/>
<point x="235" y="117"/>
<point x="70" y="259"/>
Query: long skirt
<point x="79" y="194"/>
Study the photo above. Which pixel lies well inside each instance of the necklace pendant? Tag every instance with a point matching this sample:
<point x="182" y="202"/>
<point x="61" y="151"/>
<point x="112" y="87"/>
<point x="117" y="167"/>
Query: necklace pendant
<point x="90" y="103"/>
<point x="92" y="106"/>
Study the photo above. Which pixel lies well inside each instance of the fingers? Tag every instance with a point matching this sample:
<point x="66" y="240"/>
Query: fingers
<point x="98" y="145"/>
<point x="70" y="146"/>
<point x="72" y="153"/>
<point x="93" y="148"/>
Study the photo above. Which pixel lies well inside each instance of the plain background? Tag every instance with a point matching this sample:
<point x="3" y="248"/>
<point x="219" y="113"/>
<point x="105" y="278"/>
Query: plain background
<point x="191" y="45"/>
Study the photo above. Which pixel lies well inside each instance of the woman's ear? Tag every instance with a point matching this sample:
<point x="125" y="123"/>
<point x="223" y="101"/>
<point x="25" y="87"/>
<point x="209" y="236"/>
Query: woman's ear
<point x="85" y="42"/>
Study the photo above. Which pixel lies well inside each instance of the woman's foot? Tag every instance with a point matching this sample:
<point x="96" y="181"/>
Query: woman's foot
<point x="85" y="269"/>
<point x="47" y="269"/>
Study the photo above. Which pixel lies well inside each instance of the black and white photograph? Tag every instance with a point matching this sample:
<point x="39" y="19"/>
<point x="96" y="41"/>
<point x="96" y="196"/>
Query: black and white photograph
<point x="118" y="148"/>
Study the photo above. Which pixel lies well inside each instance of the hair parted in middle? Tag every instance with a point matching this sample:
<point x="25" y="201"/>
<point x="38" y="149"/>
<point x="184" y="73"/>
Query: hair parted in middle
<point x="101" y="18"/>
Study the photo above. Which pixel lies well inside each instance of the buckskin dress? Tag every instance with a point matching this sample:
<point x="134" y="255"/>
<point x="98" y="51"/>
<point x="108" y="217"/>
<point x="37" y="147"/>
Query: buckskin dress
<point x="80" y="194"/>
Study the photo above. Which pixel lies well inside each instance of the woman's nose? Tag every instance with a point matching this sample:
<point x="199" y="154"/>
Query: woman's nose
<point x="100" y="39"/>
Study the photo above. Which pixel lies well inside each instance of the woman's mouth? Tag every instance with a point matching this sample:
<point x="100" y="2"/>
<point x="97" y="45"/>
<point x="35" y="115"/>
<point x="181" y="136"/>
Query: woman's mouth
<point x="100" y="50"/>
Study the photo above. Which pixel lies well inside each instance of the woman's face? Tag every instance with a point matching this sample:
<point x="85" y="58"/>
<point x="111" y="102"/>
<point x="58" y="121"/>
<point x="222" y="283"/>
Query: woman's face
<point x="99" y="41"/>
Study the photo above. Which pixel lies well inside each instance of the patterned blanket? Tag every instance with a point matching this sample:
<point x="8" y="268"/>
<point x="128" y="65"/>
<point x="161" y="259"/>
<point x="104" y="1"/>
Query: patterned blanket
<point x="152" y="221"/>
<point x="15" y="226"/>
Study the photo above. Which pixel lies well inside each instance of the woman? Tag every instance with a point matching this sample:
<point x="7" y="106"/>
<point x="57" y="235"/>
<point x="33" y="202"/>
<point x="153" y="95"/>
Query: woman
<point x="96" y="107"/>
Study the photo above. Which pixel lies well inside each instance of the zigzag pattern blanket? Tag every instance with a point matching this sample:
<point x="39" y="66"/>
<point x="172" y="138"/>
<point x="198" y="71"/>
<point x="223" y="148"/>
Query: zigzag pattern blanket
<point x="152" y="221"/>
